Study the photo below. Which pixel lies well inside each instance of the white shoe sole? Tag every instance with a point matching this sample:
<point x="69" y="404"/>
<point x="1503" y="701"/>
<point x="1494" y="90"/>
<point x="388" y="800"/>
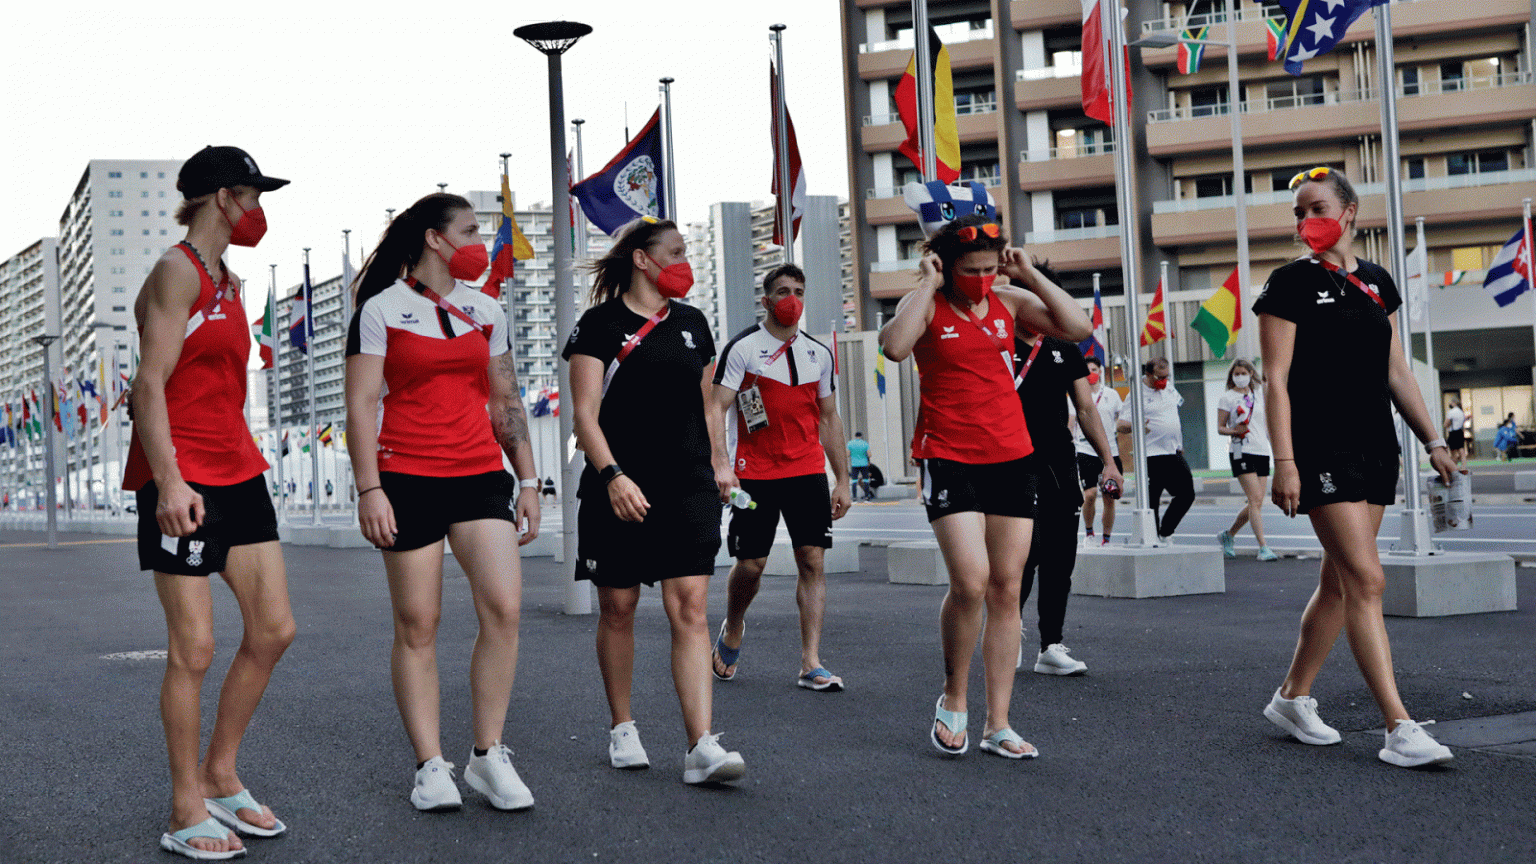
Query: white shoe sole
<point x="1296" y="732"/>
<point x="727" y="770"/>
<point x="1392" y="757"/>
<point x="1052" y="669"/>
<point x="424" y="805"/>
<point x="633" y="762"/>
<point x="500" y="802"/>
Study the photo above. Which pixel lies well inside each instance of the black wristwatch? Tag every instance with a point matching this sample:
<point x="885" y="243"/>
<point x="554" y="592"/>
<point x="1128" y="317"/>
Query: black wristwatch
<point x="610" y="472"/>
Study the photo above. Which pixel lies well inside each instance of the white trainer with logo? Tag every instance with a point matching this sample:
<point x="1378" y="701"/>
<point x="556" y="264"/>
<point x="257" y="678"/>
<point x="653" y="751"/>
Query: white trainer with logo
<point x="435" y="789"/>
<point x="1056" y="659"/>
<point x="1409" y="746"/>
<point x="1299" y="717"/>
<point x="493" y="776"/>
<point x="624" y="750"/>
<point x="708" y="762"/>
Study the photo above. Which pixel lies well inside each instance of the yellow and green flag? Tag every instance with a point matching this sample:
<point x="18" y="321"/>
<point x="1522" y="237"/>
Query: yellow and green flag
<point x="1220" y="317"/>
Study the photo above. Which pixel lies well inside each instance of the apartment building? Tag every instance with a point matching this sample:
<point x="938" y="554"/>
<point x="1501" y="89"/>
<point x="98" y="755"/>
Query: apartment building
<point x="29" y="307"/>
<point x="1466" y="106"/>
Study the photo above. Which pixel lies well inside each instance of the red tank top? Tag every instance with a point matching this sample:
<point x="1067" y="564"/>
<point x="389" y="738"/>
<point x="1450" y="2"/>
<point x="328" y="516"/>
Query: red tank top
<point x="205" y="396"/>
<point x="969" y="411"/>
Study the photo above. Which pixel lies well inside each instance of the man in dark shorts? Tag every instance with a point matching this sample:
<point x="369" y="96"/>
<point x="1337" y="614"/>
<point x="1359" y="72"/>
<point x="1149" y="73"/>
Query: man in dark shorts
<point x="773" y="391"/>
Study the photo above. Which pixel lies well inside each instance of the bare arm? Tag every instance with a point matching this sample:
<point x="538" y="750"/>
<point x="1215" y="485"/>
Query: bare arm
<point x="834" y="442"/>
<point x="913" y="313"/>
<point x="1277" y="344"/>
<point x="717" y="413"/>
<point x="364" y="385"/>
<point x="1093" y="427"/>
<point x="626" y="498"/>
<point x="509" y="422"/>
<point x="163" y="306"/>
<point x="1410" y="404"/>
<point x="1222" y="416"/>
<point x="1044" y="307"/>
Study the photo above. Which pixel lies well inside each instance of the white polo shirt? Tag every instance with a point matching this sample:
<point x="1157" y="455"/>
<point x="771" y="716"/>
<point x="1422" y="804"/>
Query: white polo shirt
<point x="1111" y="408"/>
<point x="1160" y="410"/>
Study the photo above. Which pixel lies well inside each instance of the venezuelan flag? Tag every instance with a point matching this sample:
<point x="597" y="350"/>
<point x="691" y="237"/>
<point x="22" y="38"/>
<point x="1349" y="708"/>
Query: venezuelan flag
<point x="1220" y="317"/>
<point x="510" y="245"/>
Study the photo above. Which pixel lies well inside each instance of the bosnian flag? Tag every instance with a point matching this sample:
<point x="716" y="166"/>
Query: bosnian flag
<point x="301" y="327"/>
<point x="1314" y="27"/>
<point x="1095" y="346"/>
<point x="630" y="185"/>
<point x="796" y="172"/>
<point x="1511" y="273"/>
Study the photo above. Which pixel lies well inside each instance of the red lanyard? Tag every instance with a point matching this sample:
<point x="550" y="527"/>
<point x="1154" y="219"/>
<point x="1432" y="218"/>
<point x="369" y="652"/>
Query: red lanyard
<point x="997" y="341"/>
<point x="751" y="377"/>
<point x="1033" y="352"/>
<point x="1353" y="279"/>
<point x="482" y="329"/>
<point x="633" y="342"/>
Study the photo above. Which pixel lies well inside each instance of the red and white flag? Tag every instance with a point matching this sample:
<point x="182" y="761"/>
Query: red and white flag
<point x="796" y="173"/>
<point x="1097" y="99"/>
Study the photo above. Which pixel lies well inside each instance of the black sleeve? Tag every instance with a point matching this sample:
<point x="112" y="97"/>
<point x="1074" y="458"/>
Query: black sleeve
<point x="354" y="337"/>
<point x="1075" y="366"/>
<point x="591" y="337"/>
<point x="707" y="338"/>
<point x="1280" y="295"/>
<point x="1390" y="296"/>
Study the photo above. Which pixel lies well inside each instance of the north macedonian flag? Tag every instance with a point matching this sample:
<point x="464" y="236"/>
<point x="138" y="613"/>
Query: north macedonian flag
<point x="1220" y="317"/>
<point x="1156" y="327"/>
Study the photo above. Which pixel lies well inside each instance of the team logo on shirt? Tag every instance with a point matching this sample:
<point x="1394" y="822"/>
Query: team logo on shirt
<point x="949" y="333"/>
<point x="1327" y="480"/>
<point x="1000" y="324"/>
<point x="688" y="339"/>
<point x="194" y="553"/>
<point x="1056" y="355"/>
<point x="1324" y="297"/>
<point x="409" y="318"/>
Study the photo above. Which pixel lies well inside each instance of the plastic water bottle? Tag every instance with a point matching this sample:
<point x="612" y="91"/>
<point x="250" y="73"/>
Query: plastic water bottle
<point x="1110" y="488"/>
<point x="742" y="500"/>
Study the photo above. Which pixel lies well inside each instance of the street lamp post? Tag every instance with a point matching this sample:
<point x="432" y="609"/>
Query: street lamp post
<point x="50" y="499"/>
<point x="554" y="38"/>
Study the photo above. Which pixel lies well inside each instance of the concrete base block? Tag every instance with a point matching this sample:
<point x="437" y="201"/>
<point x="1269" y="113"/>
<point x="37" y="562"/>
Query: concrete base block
<point x="546" y="545"/>
<point x="1168" y="571"/>
<point x="1453" y="583"/>
<point x="348" y="538"/>
<point x="916" y="563"/>
<point x="841" y="558"/>
<point x="1525" y="481"/>
<point x="896" y="492"/>
<point x="305" y="535"/>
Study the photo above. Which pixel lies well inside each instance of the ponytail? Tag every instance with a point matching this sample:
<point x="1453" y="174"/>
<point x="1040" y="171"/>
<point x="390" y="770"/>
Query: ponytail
<point x="612" y="272"/>
<point x="403" y="241"/>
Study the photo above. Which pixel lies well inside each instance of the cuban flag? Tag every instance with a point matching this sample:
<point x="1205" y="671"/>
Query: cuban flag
<point x="1511" y="273"/>
<point x="1313" y="27"/>
<point x="301" y="327"/>
<point x="631" y="185"/>
<point x="1095" y="346"/>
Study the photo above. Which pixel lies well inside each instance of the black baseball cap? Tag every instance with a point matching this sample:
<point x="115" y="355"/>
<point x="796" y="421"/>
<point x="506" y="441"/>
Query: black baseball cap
<point x="214" y="168"/>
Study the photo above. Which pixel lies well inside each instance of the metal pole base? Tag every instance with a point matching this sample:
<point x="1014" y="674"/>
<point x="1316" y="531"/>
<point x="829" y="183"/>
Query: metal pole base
<point x="1414" y="535"/>
<point x="1143" y="525"/>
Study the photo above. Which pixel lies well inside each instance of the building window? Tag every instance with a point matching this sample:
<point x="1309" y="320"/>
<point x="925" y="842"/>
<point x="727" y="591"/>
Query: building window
<point x="162" y="212"/>
<point x="1415" y="169"/>
<point x="114" y="174"/>
<point x="1218" y="185"/>
<point x="162" y="193"/>
<point x="114" y="212"/>
<point x="1295" y="93"/>
<point x="1451" y="78"/>
<point x="146" y="232"/>
<point x="1208" y="101"/>
<point x="115" y="193"/>
<point x="118" y="289"/>
<point x="1410" y="80"/>
<point x="116" y="232"/>
<point x="162" y="232"/>
<point x="115" y="251"/>
<point x="1477" y="162"/>
<point x="161" y="175"/>
<point x="143" y="212"/>
<point x="119" y="308"/>
<point x="144" y="194"/>
<point x="1467" y="258"/>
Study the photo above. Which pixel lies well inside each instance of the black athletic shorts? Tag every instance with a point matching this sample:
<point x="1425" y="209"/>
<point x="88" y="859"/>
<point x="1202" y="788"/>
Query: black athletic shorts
<point x="680" y="536"/>
<point x="237" y="515"/>
<point x="996" y="489"/>
<point x="806" y="503"/>
<point x="1347" y="477"/>
<point x="1456" y="439"/>
<point x="425" y="506"/>
<point x="1249" y="463"/>
<point x="1090" y="467"/>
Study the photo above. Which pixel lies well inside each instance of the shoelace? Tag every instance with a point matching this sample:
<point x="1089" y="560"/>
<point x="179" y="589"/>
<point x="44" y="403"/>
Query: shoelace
<point x="500" y="752"/>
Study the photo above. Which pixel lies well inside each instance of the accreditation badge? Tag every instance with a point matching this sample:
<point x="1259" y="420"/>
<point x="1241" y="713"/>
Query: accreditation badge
<point x="750" y="403"/>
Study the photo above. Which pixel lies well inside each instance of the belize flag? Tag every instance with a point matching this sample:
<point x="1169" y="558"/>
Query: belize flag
<point x="1095" y="346"/>
<point x="630" y="185"/>
<point x="1511" y="273"/>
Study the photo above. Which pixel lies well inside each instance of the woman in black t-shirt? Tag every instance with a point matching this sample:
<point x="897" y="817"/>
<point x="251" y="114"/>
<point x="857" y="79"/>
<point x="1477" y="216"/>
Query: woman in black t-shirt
<point x="1331" y="347"/>
<point x="650" y="507"/>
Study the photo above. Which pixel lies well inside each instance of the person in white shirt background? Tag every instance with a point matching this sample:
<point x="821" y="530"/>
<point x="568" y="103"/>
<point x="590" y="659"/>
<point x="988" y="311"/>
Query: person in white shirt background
<point x="1166" y="468"/>
<point x="1112" y="414"/>
<point x="1240" y="416"/>
<point x="1455" y="432"/>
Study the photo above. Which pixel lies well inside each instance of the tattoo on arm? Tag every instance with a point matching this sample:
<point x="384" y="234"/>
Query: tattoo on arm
<point x="508" y="419"/>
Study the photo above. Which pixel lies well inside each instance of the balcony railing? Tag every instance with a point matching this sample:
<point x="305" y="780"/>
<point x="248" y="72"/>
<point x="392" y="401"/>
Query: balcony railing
<point x="1077" y="152"/>
<point x="1046" y="73"/>
<point x="1253" y="12"/>
<point x="989" y="179"/>
<point x="960" y="111"/>
<point x="1421" y="184"/>
<point x="1062" y="235"/>
<point x="1285" y="103"/>
<point x="896" y="266"/>
<point x="905" y="42"/>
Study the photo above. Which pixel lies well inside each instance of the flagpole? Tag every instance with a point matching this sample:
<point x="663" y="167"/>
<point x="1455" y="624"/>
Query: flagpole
<point x="885" y="403"/>
<point x="50" y="496"/>
<point x="924" y="71"/>
<point x="1247" y="337"/>
<point x="1429" y="318"/>
<point x="1125" y="196"/>
<point x="577" y="216"/>
<point x="309" y="365"/>
<point x="666" y="121"/>
<point x="275" y="395"/>
<point x="1413" y="537"/>
<point x="786" y="202"/>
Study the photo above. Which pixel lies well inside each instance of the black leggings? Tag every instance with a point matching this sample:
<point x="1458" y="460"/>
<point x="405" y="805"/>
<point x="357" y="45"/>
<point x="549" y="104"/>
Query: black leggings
<point x="1171" y="473"/>
<point x="1053" y="548"/>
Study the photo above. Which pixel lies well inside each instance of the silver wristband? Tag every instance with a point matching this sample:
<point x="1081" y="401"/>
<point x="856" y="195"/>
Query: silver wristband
<point x="1429" y="446"/>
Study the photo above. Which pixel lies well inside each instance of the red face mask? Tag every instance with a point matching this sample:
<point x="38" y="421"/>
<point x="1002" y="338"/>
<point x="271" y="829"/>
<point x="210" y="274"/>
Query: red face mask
<point x="673" y="280"/>
<point x="249" y="229"/>
<point x="1093" y="378"/>
<point x="1159" y="383"/>
<point x="974" y="288"/>
<point x="468" y="262"/>
<point x="1320" y="233"/>
<point x="787" y="311"/>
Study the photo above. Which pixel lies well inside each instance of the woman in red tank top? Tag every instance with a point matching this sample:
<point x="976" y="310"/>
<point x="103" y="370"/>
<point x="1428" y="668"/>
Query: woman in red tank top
<point x="203" y="501"/>
<point x="973" y="448"/>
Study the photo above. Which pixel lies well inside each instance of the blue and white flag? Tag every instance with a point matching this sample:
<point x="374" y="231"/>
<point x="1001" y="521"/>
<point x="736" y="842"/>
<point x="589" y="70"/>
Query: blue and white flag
<point x="629" y="186"/>
<point x="1313" y="27"/>
<point x="301" y="316"/>
<point x="1511" y="273"/>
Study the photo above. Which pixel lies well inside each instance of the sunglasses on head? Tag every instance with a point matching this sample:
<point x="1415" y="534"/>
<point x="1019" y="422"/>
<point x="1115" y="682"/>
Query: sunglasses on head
<point x="970" y="232"/>
<point x="1317" y="173"/>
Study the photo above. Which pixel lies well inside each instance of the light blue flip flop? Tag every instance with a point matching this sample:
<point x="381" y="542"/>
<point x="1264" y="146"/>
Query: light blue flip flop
<point x="728" y="656"/>
<point x="994" y="744"/>
<point x="954" y="721"/>
<point x="210" y="828"/>
<point x="833" y="684"/>
<point x="224" y="810"/>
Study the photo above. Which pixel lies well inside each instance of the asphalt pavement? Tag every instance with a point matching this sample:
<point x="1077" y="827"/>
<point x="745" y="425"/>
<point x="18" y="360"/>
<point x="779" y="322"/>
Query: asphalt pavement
<point x="1159" y="753"/>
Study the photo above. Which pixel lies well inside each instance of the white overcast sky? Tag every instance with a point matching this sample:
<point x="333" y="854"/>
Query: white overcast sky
<point x="366" y="106"/>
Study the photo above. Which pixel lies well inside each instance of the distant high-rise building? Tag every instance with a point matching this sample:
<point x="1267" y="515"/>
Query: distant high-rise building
<point x="29" y="307"/>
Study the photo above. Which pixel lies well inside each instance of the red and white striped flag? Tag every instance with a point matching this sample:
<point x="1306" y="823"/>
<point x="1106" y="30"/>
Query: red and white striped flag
<point x="797" y="193"/>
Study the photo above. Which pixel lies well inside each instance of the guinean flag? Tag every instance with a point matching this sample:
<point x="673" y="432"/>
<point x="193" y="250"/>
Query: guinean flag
<point x="1156" y="327"/>
<point x="946" y="137"/>
<point x="1220" y="317"/>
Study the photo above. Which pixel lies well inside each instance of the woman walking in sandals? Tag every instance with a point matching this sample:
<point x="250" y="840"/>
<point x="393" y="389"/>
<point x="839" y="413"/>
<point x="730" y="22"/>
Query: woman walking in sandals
<point x="429" y="467"/>
<point x="650" y="507"/>
<point x="202" y="501"/>
<point x="972" y="445"/>
<point x="1318" y="315"/>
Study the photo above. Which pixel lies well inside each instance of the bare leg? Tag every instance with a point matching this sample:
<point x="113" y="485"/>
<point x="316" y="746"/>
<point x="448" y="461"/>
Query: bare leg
<point x="487" y="550"/>
<point x="685" y="599"/>
<point x="1253" y="487"/>
<point x="962" y="540"/>
<point x="1008" y="540"/>
<point x="189" y="627"/>
<point x="741" y="589"/>
<point x="1090" y="498"/>
<point x="416" y="593"/>
<point x="256" y="575"/>
<point x="811" y="597"/>
<point x="616" y="647"/>
<point x="1109" y="516"/>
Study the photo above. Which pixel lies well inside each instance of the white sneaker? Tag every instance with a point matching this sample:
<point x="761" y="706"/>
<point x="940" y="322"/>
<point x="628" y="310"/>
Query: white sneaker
<point x="1409" y="746"/>
<point x="708" y="762"/>
<point x="624" y="750"/>
<point x="493" y="776"/>
<point x="435" y="789"/>
<point x="1299" y="717"/>
<point x="1055" y="660"/>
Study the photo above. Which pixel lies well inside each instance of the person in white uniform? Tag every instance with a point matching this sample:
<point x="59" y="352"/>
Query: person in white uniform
<point x="1240" y="416"/>
<point x="1112" y="416"/>
<point x="1166" y="468"/>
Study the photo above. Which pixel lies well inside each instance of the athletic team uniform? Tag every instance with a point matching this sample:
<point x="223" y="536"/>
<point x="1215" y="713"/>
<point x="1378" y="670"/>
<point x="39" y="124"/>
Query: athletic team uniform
<point x="205" y="403"/>
<point x="652" y="415"/>
<point x="970" y="439"/>
<point x="1166" y="466"/>
<point x="1112" y="409"/>
<point x="782" y="466"/>
<point x="1343" y="348"/>
<point x="439" y="462"/>
<point x="1249" y="454"/>
<point x="1456" y="438"/>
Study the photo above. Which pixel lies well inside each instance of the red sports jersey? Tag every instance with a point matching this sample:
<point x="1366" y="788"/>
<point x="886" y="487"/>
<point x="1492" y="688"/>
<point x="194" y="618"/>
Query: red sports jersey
<point x="790" y="446"/>
<point x="969" y="411"/>
<point x="433" y="422"/>
<point x="205" y="396"/>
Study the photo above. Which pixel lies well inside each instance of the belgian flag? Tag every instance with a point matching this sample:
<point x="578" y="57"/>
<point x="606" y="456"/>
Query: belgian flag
<point x="945" y="136"/>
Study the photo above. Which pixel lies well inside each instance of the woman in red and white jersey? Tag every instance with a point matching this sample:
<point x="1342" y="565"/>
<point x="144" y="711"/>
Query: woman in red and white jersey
<point x="203" y="503"/>
<point x="432" y="404"/>
<point x="972" y="445"/>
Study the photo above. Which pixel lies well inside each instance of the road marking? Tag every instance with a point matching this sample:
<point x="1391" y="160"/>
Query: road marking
<point x="135" y="655"/>
<point x="67" y="543"/>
